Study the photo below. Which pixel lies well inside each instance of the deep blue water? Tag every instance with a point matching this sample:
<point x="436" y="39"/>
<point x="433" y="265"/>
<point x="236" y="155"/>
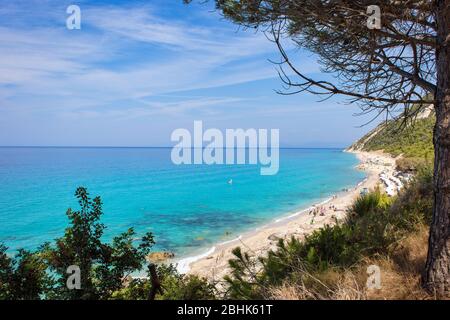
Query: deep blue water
<point x="187" y="207"/>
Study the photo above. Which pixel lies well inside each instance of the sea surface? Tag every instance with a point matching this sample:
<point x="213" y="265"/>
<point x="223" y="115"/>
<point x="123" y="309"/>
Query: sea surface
<point x="188" y="208"/>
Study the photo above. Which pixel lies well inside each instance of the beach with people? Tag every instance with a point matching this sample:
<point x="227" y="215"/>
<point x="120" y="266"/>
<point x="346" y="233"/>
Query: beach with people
<point x="213" y="264"/>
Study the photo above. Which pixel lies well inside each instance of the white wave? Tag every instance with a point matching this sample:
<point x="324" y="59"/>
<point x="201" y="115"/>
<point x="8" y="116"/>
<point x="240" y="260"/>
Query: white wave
<point x="230" y="241"/>
<point x="293" y="215"/>
<point x="183" y="264"/>
<point x="303" y="211"/>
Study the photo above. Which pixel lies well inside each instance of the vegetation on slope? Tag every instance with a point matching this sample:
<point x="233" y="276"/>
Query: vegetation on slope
<point x="413" y="143"/>
<point x="331" y="262"/>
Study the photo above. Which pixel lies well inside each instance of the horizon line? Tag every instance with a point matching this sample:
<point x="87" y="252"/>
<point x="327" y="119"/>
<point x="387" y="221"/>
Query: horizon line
<point x="148" y="147"/>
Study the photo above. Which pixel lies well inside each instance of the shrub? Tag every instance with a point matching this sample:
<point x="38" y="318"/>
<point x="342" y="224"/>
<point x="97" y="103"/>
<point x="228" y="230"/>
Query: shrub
<point x="414" y="141"/>
<point x="409" y="164"/>
<point x="414" y="204"/>
<point x="368" y="203"/>
<point x="175" y="286"/>
<point x="105" y="267"/>
<point x="184" y="287"/>
<point x="102" y="265"/>
<point x="23" y="277"/>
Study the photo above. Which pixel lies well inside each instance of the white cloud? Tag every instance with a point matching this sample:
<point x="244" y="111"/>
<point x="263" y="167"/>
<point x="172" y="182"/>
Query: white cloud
<point x="149" y="109"/>
<point x="53" y="68"/>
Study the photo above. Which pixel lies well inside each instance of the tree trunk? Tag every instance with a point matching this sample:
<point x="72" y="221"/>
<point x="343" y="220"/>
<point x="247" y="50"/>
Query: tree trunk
<point x="156" y="284"/>
<point x="437" y="273"/>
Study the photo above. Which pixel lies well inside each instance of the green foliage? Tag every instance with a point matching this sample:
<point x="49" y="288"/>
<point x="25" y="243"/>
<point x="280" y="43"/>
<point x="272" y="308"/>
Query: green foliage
<point x="175" y="287"/>
<point x="135" y="289"/>
<point x="42" y="274"/>
<point x="369" y="202"/>
<point x="374" y="225"/>
<point x="415" y="141"/>
<point x="5" y="273"/>
<point x="330" y="245"/>
<point x="102" y="266"/>
<point x="415" y="204"/>
<point x="411" y="164"/>
<point x="244" y="279"/>
<point x="183" y="287"/>
<point x="119" y="260"/>
<point x="24" y="276"/>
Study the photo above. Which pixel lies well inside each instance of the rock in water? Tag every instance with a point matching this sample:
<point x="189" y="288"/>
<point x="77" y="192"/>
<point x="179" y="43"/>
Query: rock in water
<point x="161" y="256"/>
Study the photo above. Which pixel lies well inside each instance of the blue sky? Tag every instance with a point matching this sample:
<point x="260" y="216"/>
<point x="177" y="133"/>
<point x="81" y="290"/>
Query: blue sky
<point x="137" y="70"/>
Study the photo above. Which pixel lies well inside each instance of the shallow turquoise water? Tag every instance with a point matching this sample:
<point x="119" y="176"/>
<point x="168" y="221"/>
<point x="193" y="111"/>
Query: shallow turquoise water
<point x="186" y="207"/>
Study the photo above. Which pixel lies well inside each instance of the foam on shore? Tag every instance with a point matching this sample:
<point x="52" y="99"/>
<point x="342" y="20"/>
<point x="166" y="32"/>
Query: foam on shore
<point x="303" y="211"/>
<point x="230" y="241"/>
<point x="183" y="264"/>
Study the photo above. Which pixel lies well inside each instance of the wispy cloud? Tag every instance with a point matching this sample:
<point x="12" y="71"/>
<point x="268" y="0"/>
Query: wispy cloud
<point x="88" y="65"/>
<point x="146" y="109"/>
<point x="140" y="25"/>
<point x="129" y="62"/>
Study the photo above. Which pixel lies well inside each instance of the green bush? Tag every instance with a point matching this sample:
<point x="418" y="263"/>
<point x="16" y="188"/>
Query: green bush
<point x="414" y="141"/>
<point x="369" y="202"/>
<point x="411" y="164"/>
<point x="414" y="205"/>
<point x="23" y="277"/>
<point x="42" y="274"/>
<point x="174" y="287"/>
<point x="184" y="287"/>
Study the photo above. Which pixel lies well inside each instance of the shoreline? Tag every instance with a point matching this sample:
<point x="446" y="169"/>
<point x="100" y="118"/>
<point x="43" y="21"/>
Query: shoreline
<point x="213" y="264"/>
<point x="183" y="264"/>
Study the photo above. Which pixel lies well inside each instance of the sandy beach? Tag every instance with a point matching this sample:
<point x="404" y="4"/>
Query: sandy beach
<point x="214" y="263"/>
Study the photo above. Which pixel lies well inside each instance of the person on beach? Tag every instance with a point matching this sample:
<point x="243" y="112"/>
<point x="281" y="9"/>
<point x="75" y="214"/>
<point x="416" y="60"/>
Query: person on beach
<point x="314" y="212"/>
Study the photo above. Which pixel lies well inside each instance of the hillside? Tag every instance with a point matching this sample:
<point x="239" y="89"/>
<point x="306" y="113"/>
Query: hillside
<point x="413" y="143"/>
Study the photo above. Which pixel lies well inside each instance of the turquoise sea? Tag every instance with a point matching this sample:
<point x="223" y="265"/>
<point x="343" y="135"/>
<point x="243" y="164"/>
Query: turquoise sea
<point x="188" y="207"/>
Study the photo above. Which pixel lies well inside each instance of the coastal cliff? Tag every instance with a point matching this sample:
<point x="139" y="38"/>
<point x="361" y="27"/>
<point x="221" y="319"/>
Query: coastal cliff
<point x="398" y="138"/>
